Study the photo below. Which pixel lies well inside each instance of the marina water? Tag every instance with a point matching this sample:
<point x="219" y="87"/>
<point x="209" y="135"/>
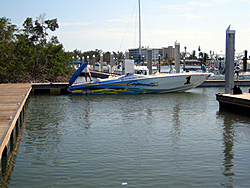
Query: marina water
<point x="158" y="140"/>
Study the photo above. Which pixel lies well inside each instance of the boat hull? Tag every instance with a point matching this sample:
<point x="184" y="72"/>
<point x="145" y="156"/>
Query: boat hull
<point x="163" y="83"/>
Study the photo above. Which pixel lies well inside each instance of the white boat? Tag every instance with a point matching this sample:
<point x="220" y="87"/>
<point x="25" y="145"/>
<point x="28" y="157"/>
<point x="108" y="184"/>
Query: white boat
<point x="136" y="83"/>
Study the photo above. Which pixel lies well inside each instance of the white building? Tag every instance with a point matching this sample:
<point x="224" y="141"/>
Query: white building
<point x="134" y="52"/>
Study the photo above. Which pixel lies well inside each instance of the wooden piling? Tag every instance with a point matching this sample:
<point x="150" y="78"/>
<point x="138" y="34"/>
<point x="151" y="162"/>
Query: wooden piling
<point x="230" y="50"/>
<point x="149" y="59"/>
<point x="177" y="57"/>
<point x="101" y="59"/>
<point x="245" y="62"/>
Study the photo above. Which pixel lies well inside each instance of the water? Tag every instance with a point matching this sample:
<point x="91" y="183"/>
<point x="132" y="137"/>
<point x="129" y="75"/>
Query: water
<point x="167" y="140"/>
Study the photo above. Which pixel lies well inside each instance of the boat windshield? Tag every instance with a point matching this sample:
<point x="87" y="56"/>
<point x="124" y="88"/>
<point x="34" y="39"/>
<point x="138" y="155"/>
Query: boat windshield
<point x="129" y="74"/>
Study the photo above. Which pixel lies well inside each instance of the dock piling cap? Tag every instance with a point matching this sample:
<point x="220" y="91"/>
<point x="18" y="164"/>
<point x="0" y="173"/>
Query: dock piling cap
<point x="230" y="29"/>
<point x="177" y="43"/>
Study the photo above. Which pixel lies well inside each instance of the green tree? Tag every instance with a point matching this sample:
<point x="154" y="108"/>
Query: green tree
<point x="36" y="30"/>
<point x="106" y="57"/>
<point x="26" y="55"/>
<point x="7" y="30"/>
<point x="193" y="55"/>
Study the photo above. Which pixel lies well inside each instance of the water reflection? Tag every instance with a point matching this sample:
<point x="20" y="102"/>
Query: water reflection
<point x="228" y="143"/>
<point x="86" y="114"/>
<point x="176" y="127"/>
<point x="175" y="136"/>
<point x="235" y="130"/>
<point x="39" y="131"/>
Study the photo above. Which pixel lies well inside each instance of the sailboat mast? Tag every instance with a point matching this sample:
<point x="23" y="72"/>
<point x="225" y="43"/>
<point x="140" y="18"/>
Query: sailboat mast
<point x="139" y="29"/>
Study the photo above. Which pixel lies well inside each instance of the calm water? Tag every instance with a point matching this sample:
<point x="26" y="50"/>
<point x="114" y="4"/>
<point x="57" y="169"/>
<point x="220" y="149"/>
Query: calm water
<point x="168" y="140"/>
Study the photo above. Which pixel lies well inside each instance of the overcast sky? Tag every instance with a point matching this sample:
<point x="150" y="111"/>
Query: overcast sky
<point x="113" y="25"/>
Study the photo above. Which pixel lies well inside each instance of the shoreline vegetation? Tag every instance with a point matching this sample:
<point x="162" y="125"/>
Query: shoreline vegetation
<point x="26" y="55"/>
<point x="31" y="54"/>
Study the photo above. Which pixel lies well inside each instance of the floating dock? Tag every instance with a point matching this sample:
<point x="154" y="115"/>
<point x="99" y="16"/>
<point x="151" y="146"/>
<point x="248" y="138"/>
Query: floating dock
<point x="239" y="103"/>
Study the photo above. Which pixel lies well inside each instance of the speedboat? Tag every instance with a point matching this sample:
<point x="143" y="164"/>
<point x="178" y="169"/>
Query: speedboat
<point x="131" y="83"/>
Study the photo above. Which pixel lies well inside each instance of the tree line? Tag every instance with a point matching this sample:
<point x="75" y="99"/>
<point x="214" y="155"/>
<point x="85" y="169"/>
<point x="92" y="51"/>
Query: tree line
<point x="29" y="54"/>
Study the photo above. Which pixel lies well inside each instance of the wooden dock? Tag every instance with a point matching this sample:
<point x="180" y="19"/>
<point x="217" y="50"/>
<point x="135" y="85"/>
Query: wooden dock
<point x="239" y="103"/>
<point x="13" y="98"/>
<point x="12" y="103"/>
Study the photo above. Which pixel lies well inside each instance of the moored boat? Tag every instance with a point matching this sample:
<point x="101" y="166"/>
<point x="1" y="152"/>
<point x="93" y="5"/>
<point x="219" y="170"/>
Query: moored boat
<point x="131" y="83"/>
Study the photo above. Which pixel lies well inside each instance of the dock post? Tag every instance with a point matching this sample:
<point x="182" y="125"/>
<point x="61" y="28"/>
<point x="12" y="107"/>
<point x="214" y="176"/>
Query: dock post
<point x="111" y="61"/>
<point x="245" y="62"/>
<point x="149" y="60"/>
<point x="18" y="124"/>
<point x="14" y="135"/>
<point x="177" y="57"/>
<point x="101" y="59"/>
<point x="93" y="62"/>
<point x="230" y="49"/>
<point x="159" y="61"/>
<point x="126" y="55"/>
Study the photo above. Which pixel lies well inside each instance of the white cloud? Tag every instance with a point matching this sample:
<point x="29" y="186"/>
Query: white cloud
<point x="172" y="7"/>
<point x="248" y="1"/>
<point x="200" y="4"/>
<point x="120" y="20"/>
<point x="190" y="16"/>
<point x="75" y="23"/>
<point x="220" y="2"/>
<point x="115" y="20"/>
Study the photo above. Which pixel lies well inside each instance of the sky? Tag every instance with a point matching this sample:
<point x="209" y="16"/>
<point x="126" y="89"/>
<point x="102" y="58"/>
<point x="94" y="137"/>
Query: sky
<point x="113" y="25"/>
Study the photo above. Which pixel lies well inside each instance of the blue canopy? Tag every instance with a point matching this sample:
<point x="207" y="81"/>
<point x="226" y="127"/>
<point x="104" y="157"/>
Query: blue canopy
<point x="77" y="73"/>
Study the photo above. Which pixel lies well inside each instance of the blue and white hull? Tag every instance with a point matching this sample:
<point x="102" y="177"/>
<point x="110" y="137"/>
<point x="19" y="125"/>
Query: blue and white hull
<point x="135" y="84"/>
